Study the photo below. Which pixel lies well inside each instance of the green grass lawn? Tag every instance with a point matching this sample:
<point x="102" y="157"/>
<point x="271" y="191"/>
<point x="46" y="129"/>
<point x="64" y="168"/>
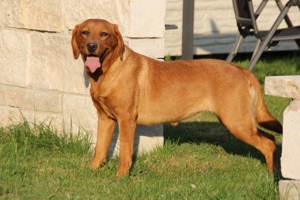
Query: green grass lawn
<point x="200" y="160"/>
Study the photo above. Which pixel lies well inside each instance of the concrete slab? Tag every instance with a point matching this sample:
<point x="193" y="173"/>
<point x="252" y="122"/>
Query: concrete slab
<point x="283" y="86"/>
<point x="288" y="86"/>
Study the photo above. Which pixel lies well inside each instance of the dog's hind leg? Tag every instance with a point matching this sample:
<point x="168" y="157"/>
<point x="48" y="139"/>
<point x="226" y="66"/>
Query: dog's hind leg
<point x="106" y="128"/>
<point x="271" y="137"/>
<point x="240" y="121"/>
<point x="245" y="130"/>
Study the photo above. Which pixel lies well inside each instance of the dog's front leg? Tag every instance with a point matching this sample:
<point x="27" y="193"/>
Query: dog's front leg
<point x="127" y="131"/>
<point x="106" y="128"/>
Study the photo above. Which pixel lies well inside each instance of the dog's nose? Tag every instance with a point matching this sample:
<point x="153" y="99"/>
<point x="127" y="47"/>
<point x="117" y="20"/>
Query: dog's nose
<point x="91" y="46"/>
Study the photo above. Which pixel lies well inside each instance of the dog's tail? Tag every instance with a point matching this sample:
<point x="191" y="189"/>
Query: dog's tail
<point x="263" y="116"/>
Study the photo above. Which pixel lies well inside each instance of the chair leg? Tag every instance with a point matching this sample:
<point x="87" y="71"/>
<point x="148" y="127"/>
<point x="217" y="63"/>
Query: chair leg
<point x="287" y="19"/>
<point x="267" y="39"/>
<point x="256" y="48"/>
<point x="238" y="42"/>
<point x="256" y="56"/>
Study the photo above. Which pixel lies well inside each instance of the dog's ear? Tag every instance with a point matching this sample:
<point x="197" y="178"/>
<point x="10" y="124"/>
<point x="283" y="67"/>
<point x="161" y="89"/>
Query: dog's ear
<point x="120" y="46"/>
<point x="74" y="43"/>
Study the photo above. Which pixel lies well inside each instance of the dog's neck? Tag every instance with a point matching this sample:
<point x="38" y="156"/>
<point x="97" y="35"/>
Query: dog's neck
<point x="94" y="77"/>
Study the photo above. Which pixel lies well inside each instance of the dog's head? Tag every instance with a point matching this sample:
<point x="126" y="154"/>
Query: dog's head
<point x="97" y="40"/>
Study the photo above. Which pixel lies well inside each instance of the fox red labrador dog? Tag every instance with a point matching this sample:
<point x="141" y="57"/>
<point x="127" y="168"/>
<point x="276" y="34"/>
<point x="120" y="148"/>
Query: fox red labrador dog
<point x="129" y="89"/>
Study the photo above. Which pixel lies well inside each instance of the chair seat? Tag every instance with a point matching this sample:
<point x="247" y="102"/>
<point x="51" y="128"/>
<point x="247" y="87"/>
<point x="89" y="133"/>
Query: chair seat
<point x="290" y="33"/>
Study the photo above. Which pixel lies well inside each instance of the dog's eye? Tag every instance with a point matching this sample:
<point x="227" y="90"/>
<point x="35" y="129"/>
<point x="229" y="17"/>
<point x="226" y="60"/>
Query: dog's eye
<point x="85" y="32"/>
<point x="104" y="34"/>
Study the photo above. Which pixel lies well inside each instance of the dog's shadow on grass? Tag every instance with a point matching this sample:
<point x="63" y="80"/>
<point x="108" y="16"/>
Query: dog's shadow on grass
<point x="213" y="133"/>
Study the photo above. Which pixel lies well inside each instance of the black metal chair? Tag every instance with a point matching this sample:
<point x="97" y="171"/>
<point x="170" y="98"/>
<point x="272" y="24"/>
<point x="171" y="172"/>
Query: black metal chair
<point x="246" y="22"/>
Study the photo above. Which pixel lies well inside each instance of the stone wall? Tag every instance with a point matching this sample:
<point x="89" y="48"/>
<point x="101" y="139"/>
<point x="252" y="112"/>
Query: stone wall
<point x="39" y="78"/>
<point x="215" y="29"/>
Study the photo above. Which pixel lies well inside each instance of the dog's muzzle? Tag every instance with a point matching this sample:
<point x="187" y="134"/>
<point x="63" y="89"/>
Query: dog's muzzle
<point x="93" y="62"/>
<point x="91" y="46"/>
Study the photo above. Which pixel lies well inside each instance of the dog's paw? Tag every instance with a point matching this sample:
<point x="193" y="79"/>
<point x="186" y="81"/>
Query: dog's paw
<point x="95" y="165"/>
<point x="122" y="172"/>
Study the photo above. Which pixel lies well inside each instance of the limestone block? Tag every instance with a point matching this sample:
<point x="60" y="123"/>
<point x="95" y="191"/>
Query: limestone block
<point x="41" y="15"/>
<point x="79" y="113"/>
<point x="134" y="18"/>
<point x="14" y="115"/>
<point x="52" y="66"/>
<point x="1" y="15"/>
<point x="4" y="116"/>
<point x="289" y="189"/>
<point x="14" y="47"/>
<point x="9" y="115"/>
<point x="147" y="18"/>
<point x="2" y="95"/>
<point x="118" y="12"/>
<point x="35" y="100"/>
<point x="46" y="61"/>
<point x="54" y="120"/>
<point x="283" y="86"/>
<point x="147" y="138"/>
<point x="153" y="48"/>
<point x="290" y="158"/>
<point x="75" y="79"/>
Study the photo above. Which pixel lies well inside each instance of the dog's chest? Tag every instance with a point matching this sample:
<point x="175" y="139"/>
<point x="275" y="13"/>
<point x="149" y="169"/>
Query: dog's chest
<point x="102" y="104"/>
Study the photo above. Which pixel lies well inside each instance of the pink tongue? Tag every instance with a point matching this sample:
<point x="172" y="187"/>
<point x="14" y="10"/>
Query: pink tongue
<point x="92" y="63"/>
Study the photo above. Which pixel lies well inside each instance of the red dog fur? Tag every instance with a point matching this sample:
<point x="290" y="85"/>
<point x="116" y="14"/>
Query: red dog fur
<point x="129" y="89"/>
